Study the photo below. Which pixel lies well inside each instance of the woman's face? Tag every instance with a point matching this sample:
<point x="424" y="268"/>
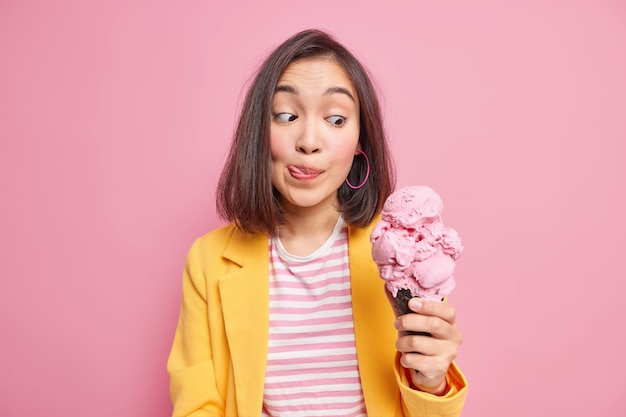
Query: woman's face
<point x="314" y="134"/>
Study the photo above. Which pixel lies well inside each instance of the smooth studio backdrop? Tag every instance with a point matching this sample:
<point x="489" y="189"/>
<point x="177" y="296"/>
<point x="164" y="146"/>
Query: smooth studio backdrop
<point x="115" y="117"/>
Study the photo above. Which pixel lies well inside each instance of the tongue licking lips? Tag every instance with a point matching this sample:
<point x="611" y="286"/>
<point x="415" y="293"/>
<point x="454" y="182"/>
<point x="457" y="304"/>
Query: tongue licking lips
<point x="303" y="173"/>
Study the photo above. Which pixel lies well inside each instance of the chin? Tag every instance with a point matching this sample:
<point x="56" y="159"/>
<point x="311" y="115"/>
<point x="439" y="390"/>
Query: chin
<point x="306" y="200"/>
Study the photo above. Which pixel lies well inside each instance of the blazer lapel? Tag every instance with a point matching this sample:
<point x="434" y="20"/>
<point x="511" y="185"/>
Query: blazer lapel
<point x="244" y="293"/>
<point x="373" y="326"/>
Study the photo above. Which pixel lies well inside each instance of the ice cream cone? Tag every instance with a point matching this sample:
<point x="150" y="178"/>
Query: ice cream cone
<point x="414" y="251"/>
<point x="402" y="304"/>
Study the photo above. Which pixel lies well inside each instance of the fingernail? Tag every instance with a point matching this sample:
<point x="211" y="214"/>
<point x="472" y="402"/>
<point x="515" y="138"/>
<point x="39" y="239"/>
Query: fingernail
<point x="415" y="304"/>
<point x="396" y="323"/>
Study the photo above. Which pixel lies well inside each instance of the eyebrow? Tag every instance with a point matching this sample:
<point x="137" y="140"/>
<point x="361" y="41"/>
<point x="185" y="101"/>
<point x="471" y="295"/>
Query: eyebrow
<point x="339" y="90"/>
<point x="328" y="92"/>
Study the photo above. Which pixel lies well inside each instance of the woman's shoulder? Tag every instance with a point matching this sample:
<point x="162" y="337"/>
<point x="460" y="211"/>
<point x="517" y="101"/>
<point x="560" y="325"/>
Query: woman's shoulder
<point x="221" y="233"/>
<point x="215" y="240"/>
<point x="228" y="241"/>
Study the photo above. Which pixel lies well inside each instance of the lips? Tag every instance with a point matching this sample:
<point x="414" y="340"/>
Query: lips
<point x="303" y="173"/>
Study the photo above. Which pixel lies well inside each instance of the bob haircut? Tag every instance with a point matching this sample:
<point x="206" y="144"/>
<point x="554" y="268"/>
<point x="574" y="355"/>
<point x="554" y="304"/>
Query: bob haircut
<point x="245" y="194"/>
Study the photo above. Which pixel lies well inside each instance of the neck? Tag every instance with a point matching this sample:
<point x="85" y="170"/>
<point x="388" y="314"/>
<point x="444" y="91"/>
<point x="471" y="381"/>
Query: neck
<point x="305" y="232"/>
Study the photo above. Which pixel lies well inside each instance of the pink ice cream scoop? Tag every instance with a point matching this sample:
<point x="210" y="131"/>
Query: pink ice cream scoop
<point x="414" y="252"/>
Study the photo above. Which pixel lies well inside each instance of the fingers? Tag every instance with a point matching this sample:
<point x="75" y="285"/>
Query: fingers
<point x="431" y="355"/>
<point x="431" y="368"/>
<point x="433" y="308"/>
<point x="432" y="317"/>
<point x="435" y="326"/>
<point x="426" y="346"/>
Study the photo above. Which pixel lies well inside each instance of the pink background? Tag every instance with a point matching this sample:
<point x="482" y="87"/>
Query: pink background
<point x="115" y="117"/>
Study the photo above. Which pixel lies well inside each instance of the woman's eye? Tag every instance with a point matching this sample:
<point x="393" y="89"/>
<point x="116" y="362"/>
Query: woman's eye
<point x="285" y="117"/>
<point x="336" y="120"/>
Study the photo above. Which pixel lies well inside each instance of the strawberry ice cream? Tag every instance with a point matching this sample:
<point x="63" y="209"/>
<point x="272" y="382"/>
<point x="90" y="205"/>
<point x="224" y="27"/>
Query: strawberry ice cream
<point x="415" y="253"/>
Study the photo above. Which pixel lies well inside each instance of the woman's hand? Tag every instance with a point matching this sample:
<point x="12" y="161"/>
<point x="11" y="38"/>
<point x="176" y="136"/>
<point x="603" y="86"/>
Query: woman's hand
<point x="428" y="357"/>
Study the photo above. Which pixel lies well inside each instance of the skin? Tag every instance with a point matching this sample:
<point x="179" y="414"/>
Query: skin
<point x="431" y="355"/>
<point x="314" y="137"/>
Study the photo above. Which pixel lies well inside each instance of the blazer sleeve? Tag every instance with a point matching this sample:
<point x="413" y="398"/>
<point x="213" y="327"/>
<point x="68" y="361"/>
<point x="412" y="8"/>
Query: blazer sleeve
<point x="193" y="386"/>
<point x="421" y="404"/>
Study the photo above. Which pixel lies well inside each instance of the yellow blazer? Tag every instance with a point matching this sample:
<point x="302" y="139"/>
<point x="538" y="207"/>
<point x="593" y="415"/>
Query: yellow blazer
<point x="217" y="361"/>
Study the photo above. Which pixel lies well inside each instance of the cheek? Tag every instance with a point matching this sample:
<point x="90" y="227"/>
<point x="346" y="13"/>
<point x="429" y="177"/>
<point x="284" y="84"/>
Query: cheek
<point x="345" y="146"/>
<point x="277" y="145"/>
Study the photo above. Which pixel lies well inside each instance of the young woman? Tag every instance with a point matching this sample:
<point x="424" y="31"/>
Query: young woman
<point x="283" y="312"/>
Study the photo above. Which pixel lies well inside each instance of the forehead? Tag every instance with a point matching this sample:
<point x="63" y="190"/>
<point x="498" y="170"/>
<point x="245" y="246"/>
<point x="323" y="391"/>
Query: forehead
<point x="319" y="70"/>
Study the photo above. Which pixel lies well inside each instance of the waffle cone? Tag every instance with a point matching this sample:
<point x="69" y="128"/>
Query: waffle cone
<point x="402" y="304"/>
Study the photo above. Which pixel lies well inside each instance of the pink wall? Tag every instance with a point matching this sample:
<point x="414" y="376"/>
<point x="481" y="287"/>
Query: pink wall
<point x="114" y="120"/>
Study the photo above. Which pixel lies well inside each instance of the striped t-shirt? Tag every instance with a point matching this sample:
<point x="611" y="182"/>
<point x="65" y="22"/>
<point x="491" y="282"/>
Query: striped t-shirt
<point x="311" y="362"/>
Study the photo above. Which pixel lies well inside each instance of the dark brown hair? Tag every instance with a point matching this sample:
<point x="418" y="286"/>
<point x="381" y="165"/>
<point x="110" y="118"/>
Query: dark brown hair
<point x="245" y="195"/>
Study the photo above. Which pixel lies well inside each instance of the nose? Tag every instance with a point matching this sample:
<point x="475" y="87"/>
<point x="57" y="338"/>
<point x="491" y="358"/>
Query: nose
<point x="309" y="139"/>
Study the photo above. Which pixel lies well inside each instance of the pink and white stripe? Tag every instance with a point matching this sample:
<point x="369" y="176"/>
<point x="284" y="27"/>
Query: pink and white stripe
<point x="312" y="366"/>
